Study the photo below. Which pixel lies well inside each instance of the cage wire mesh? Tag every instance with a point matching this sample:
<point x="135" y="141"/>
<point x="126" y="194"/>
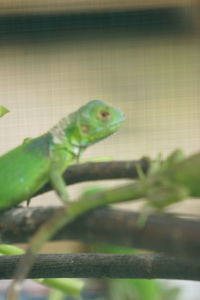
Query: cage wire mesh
<point x="146" y="62"/>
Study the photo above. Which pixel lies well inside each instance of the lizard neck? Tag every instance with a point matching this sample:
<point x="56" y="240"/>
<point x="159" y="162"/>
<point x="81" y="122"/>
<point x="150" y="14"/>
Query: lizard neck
<point x="64" y="137"/>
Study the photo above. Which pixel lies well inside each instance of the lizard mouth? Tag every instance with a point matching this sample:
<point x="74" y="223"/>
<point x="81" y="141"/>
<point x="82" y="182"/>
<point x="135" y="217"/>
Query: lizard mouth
<point x="100" y="134"/>
<point x="97" y="135"/>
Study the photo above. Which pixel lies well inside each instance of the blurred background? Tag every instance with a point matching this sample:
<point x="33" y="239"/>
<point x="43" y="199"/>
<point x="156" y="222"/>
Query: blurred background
<point x="140" y="55"/>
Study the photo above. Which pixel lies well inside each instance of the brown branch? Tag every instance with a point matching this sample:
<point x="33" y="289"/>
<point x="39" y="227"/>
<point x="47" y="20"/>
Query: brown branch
<point x="101" y="170"/>
<point x="84" y="265"/>
<point x="164" y="233"/>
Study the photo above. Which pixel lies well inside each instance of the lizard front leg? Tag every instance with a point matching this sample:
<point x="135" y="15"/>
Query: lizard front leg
<point x="59" y="185"/>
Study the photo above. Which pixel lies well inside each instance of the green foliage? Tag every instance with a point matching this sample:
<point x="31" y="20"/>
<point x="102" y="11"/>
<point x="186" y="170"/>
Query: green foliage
<point x="3" y="111"/>
<point x="160" y="165"/>
<point x="134" y="289"/>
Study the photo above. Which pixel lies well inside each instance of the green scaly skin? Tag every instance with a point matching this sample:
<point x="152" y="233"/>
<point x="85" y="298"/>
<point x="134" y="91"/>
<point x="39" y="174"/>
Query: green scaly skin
<point x="29" y="166"/>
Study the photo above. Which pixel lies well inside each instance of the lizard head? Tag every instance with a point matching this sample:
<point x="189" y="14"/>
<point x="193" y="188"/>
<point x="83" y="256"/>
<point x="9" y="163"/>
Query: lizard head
<point x="93" y="122"/>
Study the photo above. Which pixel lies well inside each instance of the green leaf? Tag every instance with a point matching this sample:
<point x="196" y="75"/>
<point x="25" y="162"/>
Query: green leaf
<point x="3" y="111"/>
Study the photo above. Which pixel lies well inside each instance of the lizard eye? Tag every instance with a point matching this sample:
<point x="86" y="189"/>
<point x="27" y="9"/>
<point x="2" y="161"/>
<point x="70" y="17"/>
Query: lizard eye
<point x="85" y="128"/>
<point x="104" y="115"/>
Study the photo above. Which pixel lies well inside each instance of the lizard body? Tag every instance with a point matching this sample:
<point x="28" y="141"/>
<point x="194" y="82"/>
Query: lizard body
<point x="29" y="166"/>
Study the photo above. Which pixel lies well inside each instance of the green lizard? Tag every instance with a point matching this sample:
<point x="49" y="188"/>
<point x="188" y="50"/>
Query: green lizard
<point x="29" y="166"/>
<point x="172" y="181"/>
